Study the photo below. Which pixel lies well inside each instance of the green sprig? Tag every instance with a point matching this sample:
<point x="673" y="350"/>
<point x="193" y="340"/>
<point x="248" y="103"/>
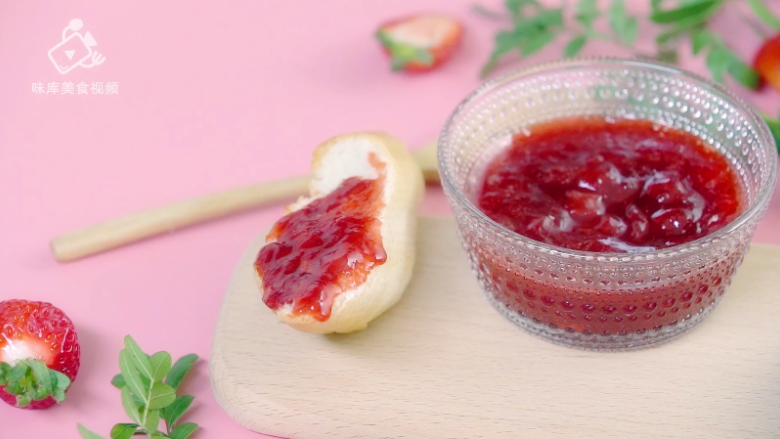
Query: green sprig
<point x="535" y="26"/>
<point x="148" y="386"/>
<point x="689" y="19"/>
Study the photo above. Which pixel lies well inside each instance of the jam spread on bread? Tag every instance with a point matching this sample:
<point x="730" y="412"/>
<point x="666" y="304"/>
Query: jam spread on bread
<point x="623" y="186"/>
<point x="327" y="247"/>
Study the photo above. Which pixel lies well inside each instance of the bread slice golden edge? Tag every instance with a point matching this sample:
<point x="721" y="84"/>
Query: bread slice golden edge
<point x="337" y="159"/>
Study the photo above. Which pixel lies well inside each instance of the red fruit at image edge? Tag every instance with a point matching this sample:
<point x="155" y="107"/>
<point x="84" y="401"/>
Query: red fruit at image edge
<point x="767" y="62"/>
<point x="37" y="331"/>
<point x="421" y="42"/>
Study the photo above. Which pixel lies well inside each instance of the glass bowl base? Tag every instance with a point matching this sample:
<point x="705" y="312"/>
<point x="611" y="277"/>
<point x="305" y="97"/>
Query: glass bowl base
<point x="598" y="342"/>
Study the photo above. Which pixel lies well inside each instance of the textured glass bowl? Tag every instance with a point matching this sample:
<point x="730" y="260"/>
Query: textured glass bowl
<point x="606" y="301"/>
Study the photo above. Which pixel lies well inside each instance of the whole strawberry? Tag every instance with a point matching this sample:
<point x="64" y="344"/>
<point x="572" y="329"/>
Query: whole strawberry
<point x="39" y="354"/>
<point x="420" y="43"/>
<point x="767" y="62"/>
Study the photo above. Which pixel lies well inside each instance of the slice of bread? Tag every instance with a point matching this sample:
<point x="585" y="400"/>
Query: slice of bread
<point x="334" y="161"/>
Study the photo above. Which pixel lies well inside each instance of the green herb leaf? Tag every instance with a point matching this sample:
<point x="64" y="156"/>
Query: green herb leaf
<point x="130" y="406"/>
<point x="536" y="42"/>
<point x="118" y="381"/>
<point x="743" y="73"/>
<point x="161" y="396"/>
<point x="86" y="434"/>
<point x="574" y="46"/>
<point x="123" y="431"/>
<point x="683" y="12"/>
<point x="701" y="39"/>
<point x="717" y="62"/>
<point x="630" y="31"/>
<point x="173" y="412"/>
<point x="625" y="27"/>
<point x="183" y="431"/>
<point x="161" y="365"/>
<point x="152" y="421"/>
<point x="179" y="370"/>
<point x="140" y="359"/>
<point x="764" y="14"/>
<point x="130" y="374"/>
<point x="548" y="18"/>
<point x="587" y="13"/>
<point x="515" y="7"/>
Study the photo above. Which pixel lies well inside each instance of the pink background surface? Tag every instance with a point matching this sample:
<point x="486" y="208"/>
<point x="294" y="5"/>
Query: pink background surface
<point x="212" y="95"/>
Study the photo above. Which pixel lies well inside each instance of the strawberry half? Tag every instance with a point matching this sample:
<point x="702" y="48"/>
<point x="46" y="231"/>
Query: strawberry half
<point x="767" y="61"/>
<point x="421" y="42"/>
<point x="39" y="354"/>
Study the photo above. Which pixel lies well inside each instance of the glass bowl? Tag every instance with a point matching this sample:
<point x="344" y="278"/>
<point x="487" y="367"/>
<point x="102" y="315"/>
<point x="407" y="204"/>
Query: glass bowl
<point x="603" y="301"/>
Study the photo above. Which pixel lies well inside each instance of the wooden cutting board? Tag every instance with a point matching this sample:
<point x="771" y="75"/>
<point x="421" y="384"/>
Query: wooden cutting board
<point x="444" y="364"/>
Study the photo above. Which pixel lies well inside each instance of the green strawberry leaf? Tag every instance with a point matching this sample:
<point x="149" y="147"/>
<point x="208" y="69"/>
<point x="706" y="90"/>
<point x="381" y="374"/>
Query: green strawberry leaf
<point x="18" y="372"/>
<point x="86" y="434"/>
<point x="40" y="373"/>
<point x="183" y="431"/>
<point x="123" y="431"/>
<point x="179" y="370"/>
<point x="173" y="412"/>
<point x="23" y="400"/>
<point x="61" y="384"/>
<point x="31" y="380"/>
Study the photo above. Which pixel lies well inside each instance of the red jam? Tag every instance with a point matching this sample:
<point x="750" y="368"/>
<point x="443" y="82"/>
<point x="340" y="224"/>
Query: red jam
<point x="327" y="247"/>
<point x="624" y="186"/>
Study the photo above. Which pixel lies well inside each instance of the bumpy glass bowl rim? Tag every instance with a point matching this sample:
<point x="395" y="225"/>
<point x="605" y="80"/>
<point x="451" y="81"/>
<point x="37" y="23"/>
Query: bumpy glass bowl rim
<point x="756" y="208"/>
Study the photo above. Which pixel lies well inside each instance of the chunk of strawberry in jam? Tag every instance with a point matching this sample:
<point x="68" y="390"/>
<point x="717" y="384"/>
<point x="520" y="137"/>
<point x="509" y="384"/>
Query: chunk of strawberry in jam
<point x="624" y="186"/>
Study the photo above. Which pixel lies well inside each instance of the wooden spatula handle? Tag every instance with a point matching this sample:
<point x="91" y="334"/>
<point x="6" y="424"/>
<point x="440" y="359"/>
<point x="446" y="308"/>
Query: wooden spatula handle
<point x="151" y="222"/>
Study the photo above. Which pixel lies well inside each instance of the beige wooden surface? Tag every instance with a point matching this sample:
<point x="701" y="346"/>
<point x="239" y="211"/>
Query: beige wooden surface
<point x="444" y="364"/>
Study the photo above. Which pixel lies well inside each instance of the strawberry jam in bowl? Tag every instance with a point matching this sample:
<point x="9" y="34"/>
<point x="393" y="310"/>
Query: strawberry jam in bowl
<point x="606" y="204"/>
